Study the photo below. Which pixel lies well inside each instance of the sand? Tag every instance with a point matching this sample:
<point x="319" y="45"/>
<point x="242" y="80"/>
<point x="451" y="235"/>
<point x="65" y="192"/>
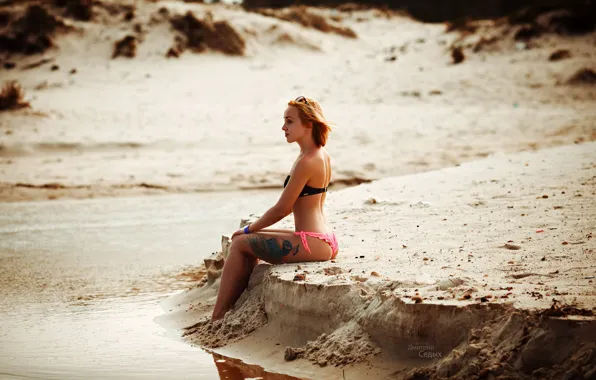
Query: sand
<point x="472" y="249"/>
<point x="424" y="269"/>
<point x="200" y="122"/>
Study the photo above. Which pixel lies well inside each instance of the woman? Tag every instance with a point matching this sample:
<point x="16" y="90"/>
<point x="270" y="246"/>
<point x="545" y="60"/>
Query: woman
<point x="304" y="194"/>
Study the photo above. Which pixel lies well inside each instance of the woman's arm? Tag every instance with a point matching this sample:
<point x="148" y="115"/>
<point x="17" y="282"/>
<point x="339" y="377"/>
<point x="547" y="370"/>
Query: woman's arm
<point x="284" y="205"/>
<point x="270" y="217"/>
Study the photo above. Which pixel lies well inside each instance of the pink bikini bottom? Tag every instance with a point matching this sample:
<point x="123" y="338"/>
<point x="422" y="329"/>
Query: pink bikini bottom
<point x="329" y="238"/>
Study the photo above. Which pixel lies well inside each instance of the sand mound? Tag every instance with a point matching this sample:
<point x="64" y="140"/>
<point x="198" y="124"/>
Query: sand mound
<point x="229" y="329"/>
<point x="125" y="47"/>
<point x="87" y="10"/>
<point x="173" y="52"/>
<point x="31" y="32"/>
<point x="109" y="11"/>
<point x="303" y="16"/>
<point x="32" y="29"/>
<point x="527" y="33"/>
<point x="583" y="76"/>
<point x="247" y="316"/>
<point x="214" y="267"/>
<point x="77" y="9"/>
<point x="12" y="97"/>
<point x="519" y="344"/>
<point x="288" y="39"/>
<point x="489" y="342"/>
<point x="462" y="25"/>
<point x="354" y="7"/>
<point x="202" y="34"/>
<point x="346" y="345"/>
<point x="559" y="55"/>
<point x="457" y="55"/>
<point x="521" y="30"/>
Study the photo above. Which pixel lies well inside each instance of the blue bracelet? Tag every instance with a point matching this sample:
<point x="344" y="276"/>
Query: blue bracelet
<point x="246" y="231"/>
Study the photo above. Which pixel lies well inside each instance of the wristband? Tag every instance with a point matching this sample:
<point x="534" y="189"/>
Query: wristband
<point x="246" y="231"/>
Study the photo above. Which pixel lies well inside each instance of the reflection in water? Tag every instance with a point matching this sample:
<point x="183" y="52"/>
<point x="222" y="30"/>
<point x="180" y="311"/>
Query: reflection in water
<point x="234" y="369"/>
<point x="81" y="281"/>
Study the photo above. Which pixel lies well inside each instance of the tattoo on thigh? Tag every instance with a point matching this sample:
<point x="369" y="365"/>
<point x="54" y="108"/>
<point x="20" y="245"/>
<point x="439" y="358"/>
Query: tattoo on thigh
<point x="270" y="250"/>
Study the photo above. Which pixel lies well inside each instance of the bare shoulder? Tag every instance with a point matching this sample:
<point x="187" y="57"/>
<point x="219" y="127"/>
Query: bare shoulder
<point x="307" y="163"/>
<point x="312" y="162"/>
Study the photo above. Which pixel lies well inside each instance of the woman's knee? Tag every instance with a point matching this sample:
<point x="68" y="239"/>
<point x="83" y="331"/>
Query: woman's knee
<point x="237" y="242"/>
<point x="238" y="246"/>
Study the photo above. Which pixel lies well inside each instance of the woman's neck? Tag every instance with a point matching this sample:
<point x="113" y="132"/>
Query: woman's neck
<point x="307" y="147"/>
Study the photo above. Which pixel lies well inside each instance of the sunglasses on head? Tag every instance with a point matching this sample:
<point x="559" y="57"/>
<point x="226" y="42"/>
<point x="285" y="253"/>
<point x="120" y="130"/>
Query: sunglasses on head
<point x="302" y="99"/>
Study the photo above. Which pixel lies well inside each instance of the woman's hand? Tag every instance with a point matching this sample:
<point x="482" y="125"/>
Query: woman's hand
<point x="239" y="232"/>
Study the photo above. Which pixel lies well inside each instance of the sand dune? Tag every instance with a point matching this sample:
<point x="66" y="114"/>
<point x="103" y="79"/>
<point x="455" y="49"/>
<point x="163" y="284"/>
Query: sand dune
<point x="192" y="123"/>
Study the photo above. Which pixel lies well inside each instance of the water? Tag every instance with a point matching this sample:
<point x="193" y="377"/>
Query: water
<point x="81" y="281"/>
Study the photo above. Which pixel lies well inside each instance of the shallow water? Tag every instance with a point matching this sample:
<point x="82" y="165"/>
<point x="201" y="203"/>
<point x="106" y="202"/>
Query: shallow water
<point x="81" y="282"/>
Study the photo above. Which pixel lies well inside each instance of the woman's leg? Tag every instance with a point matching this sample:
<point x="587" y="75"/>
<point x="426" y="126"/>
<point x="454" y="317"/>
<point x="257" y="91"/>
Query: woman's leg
<point x="283" y="247"/>
<point x="272" y="247"/>
<point x="237" y="269"/>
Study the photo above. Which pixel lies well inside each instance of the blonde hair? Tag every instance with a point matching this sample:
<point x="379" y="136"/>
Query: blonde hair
<point x="309" y="111"/>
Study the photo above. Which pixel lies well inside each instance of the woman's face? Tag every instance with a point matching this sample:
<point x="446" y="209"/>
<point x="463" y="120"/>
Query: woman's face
<point x="293" y="127"/>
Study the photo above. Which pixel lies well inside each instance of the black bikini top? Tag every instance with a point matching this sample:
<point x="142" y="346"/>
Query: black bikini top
<point x="307" y="189"/>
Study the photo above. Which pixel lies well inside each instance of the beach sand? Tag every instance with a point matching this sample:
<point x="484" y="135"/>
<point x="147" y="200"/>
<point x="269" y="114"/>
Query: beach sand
<point x="206" y="122"/>
<point x="480" y="265"/>
<point x="473" y="245"/>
